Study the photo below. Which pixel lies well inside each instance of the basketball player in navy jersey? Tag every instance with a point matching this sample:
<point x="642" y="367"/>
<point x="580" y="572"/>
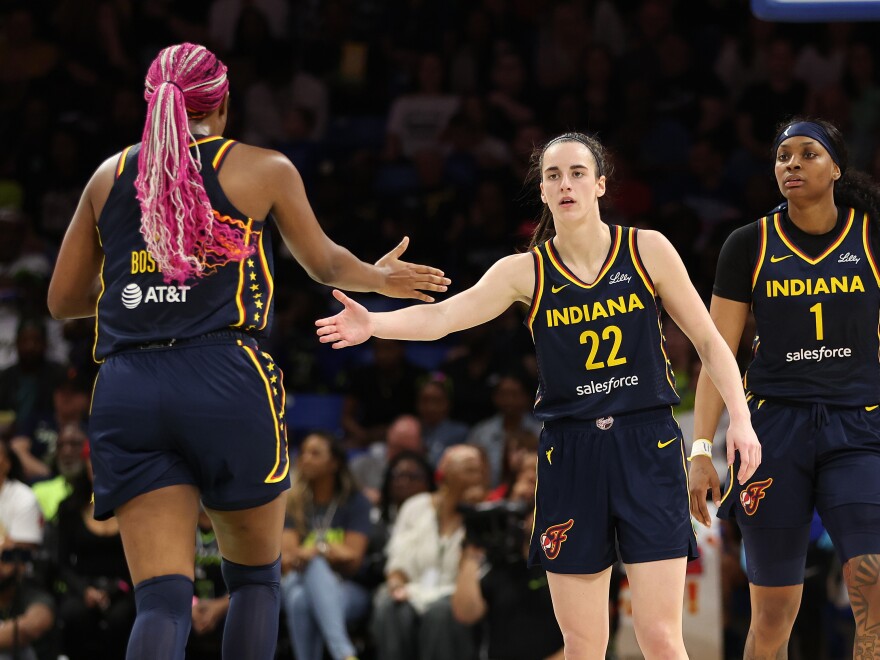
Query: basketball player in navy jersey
<point x="170" y="249"/>
<point x="611" y="461"/>
<point x="809" y="271"/>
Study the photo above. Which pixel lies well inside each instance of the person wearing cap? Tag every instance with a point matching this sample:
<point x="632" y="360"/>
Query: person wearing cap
<point x="809" y="272"/>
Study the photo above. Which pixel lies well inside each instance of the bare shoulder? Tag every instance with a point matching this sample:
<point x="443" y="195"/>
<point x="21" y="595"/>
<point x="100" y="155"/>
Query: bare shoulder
<point x="260" y="162"/>
<point x="651" y="241"/>
<point x="256" y="180"/>
<point x="98" y="188"/>
<point x="518" y="272"/>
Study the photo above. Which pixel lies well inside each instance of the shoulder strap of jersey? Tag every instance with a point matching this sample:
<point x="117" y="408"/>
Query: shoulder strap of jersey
<point x="222" y="152"/>
<point x="123" y="160"/>
<point x="869" y="251"/>
<point x="762" y="249"/>
<point x="632" y="239"/>
<point x="538" y="258"/>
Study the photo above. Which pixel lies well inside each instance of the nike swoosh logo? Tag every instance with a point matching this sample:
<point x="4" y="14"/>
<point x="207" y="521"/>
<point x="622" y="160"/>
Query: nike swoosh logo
<point x="661" y="445"/>
<point x="557" y="289"/>
<point x="870" y="408"/>
<point x="775" y="259"/>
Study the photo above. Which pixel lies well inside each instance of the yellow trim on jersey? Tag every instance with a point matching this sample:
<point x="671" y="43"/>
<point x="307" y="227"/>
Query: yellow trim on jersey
<point x="539" y="290"/>
<point x="100" y="295"/>
<point x="92" y="399"/>
<point x="762" y="252"/>
<point x="269" y="479"/>
<point x="120" y="166"/>
<point x="729" y="485"/>
<point x="831" y="248"/>
<point x="571" y="277"/>
<point x="205" y="140"/>
<point x="637" y="262"/>
<point x="535" y="510"/>
<point x="270" y="284"/>
<point x="866" y="240"/>
<point x="242" y="314"/>
<point x="221" y="152"/>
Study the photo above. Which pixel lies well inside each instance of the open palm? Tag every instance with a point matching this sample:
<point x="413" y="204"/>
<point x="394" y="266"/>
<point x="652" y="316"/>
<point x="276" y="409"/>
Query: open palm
<point x="349" y="327"/>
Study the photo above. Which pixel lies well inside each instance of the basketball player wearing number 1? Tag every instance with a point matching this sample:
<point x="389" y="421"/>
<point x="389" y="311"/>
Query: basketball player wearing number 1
<point x="809" y="272"/>
<point x="609" y="444"/>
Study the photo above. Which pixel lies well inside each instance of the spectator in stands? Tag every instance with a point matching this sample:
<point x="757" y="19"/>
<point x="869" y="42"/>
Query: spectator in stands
<point x="27" y="612"/>
<point x="378" y="392"/>
<point x="370" y="467"/>
<point x="20" y="517"/>
<point x="511" y="597"/>
<point x="97" y="606"/>
<point x="412" y="615"/>
<point x="323" y="549"/>
<point x="26" y="386"/>
<point x="433" y="407"/>
<point x="211" y="600"/>
<point x="416" y="121"/>
<point x="68" y="465"/>
<point x="520" y="445"/>
<point x="512" y="402"/>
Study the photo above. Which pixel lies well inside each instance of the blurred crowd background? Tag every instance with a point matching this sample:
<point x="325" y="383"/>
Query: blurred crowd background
<point x="404" y="117"/>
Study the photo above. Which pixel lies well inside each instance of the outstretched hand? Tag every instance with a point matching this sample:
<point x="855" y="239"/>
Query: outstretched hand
<point x="349" y="327"/>
<point x="406" y="280"/>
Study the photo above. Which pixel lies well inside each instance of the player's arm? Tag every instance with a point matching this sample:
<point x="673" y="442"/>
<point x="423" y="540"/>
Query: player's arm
<point x="686" y="308"/>
<point x="330" y="263"/>
<point x="509" y="280"/>
<point x="76" y="279"/>
<point x="729" y="317"/>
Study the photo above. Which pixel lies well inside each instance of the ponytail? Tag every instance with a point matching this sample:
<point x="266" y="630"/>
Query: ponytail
<point x="178" y="223"/>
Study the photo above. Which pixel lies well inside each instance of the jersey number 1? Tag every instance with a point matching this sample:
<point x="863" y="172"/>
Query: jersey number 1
<point x="592" y="338"/>
<point x="817" y="310"/>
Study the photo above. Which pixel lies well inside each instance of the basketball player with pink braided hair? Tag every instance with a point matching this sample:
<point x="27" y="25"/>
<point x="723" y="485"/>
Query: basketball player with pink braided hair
<point x="170" y="249"/>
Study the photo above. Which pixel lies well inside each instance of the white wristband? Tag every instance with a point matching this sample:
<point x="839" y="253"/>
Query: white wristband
<point x="701" y="447"/>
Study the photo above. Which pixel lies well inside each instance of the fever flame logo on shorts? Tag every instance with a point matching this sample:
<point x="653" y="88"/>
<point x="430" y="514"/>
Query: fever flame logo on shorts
<point x="752" y="495"/>
<point x="554" y="537"/>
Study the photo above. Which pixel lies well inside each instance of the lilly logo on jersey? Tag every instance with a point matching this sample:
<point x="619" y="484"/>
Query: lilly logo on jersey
<point x="752" y="495"/>
<point x="848" y="258"/>
<point x="554" y="537"/>
<point x="619" y="277"/>
<point x="133" y="295"/>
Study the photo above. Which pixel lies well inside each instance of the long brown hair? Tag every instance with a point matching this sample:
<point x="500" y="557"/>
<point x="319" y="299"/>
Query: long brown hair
<point x="545" y="228"/>
<point x="300" y="501"/>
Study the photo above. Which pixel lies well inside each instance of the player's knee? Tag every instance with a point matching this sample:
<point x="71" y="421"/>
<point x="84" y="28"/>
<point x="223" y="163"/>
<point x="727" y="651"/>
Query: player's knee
<point x="862" y="577"/>
<point x="581" y="642"/>
<point x="659" y="639"/>
<point x="237" y="576"/>
<point x="773" y="615"/>
<point x="168" y="594"/>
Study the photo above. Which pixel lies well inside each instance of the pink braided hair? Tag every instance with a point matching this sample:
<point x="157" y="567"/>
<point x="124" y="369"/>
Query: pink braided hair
<point x="177" y="222"/>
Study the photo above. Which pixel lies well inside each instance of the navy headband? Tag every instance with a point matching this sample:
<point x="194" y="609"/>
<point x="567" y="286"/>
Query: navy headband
<point x="808" y="129"/>
<point x="574" y="137"/>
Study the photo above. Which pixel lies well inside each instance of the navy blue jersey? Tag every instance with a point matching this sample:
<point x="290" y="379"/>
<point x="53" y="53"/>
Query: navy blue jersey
<point x="136" y="306"/>
<point x="599" y="345"/>
<point x="817" y="318"/>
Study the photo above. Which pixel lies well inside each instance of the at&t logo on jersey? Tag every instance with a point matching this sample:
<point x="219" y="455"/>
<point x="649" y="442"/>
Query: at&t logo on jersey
<point x="554" y="537"/>
<point x="750" y="497"/>
<point x="133" y="295"/>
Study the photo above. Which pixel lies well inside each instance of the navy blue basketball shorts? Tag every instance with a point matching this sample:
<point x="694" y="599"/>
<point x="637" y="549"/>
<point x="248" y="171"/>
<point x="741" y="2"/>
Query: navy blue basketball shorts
<point x="813" y="456"/>
<point x="607" y="485"/>
<point x="208" y="412"/>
